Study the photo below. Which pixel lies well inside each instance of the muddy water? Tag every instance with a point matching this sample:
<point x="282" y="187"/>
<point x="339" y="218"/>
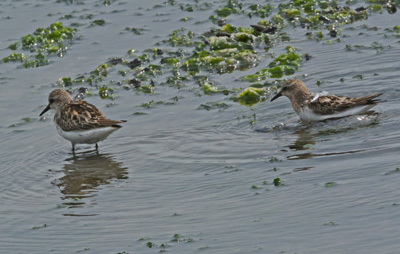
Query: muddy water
<point x="183" y="179"/>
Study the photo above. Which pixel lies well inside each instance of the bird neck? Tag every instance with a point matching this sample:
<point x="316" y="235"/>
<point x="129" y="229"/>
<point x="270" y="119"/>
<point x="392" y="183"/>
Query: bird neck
<point x="300" y="99"/>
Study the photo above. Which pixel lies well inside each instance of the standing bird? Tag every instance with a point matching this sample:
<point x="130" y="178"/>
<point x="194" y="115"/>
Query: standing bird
<point x="79" y="121"/>
<point x="321" y="106"/>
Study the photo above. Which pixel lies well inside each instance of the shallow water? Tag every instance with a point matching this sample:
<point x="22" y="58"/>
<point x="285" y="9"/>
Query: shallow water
<point x="190" y="180"/>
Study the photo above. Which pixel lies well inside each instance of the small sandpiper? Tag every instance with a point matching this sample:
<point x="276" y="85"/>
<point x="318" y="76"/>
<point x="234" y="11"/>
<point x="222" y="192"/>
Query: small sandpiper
<point x="321" y="106"/>
<point x="79" y="121"/>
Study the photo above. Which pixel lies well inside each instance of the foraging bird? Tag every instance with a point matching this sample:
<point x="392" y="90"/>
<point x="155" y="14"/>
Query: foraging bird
<point x="79" y="121"/>
<point x="321" y="106"/>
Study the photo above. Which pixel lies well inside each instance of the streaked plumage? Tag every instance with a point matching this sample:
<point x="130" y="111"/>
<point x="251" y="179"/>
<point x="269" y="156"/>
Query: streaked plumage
<point x="79" y="121"/>
<point x="317" y="107"/>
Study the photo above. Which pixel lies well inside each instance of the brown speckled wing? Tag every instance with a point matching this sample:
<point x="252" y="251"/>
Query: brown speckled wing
<point x="331" y="104"/>
<point x="81" y="115"/>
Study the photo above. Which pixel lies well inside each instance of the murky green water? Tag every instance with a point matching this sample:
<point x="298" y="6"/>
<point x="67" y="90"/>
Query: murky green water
<point x="195" y="173"/>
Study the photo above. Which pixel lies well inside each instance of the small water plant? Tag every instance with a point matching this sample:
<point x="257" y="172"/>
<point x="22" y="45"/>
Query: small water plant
<point x="41" y="44"/>
<point x="188" y="60"/>
<point x="277" y="181"/>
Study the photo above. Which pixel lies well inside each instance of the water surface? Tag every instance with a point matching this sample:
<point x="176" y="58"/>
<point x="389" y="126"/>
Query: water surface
<point x="183" y="179"/>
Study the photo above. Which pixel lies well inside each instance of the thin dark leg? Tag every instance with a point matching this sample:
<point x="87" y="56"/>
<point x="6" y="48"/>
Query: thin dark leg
<point x="97" y="147"/>
<point x="73" y="148"/>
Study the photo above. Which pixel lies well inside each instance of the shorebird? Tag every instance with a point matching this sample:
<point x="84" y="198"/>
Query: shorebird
<point x="79" y="121"/>
<point x="320" y="106"/>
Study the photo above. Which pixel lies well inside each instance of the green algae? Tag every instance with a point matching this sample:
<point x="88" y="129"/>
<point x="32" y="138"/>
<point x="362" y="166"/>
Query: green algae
<point x="251" y="96"/>
<point x="171" y="61"/>
<point x="98" y="22"/>
<point x="106" y="92"/>
<point x="212" y="89"/>
<point x="147" y="89"/>
<point x="231" y="7"/>
<point x="24" y="121"/>
<point x="41" y="44"/>
<point x="180" y="37"/>
<point x="259" y="10"/>
<point x="277" y="182"/>
<point x="330" y="184"/>
<point x="284" y="64"/>
<point x="39" y="227"/>
<point x="15" y="57"/>
<point x="220" y="106"/>
<point x="209" y="89"/>
<point x="224" y="60"/>
<point x="180" y="238"/>
<point x="184" y="57"/>
<point x="331" y="223"/>
<point x="153" y="103"/>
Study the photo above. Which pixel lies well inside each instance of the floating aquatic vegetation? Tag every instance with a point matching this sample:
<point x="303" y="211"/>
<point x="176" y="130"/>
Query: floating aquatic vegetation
<point x="44" y="42"/>
<point x="222" y="60"/>
<point x="98" y="74"/>
<point x="316" y="14"/>
<point x="180" y="238"/>
<point x="153" y="103"/>
<point x="39" y="227"/>
<point x="285" y="64"/>
<point x="68" y="81"/>
<point x="211" y="89"/>
<point x="23" y="121"/>
<point x="148" y="89"/>
<point x="331" y="223"/>
<point x="232" y="7"/>
<point x="15" y="57"/>
<point x="220" y="106"/>
<point x="330" y="184"/>
<point x="277" y="181"/>
<point x="106" y="92"/>
<point x="176" y="238"/>
<point x="98" y="22"/>
<point x="395" y="171"/>
<point x="259" y="10"/>
<point x="180" y="38"/>
<point x="183" y="58"/>
<point x="68" y="2"/>
<point x="359" y="48"/>
<point x="251" y="96"/>
<point x="171" y="61"/>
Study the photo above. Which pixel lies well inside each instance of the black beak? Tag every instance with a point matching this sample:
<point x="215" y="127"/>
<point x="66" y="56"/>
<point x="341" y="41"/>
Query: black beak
<point x="277" y="96"/>
<point x="45" y="110"/>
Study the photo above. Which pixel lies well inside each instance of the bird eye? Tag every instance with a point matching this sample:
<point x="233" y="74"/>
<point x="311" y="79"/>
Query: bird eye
<point x="51" y="101"/>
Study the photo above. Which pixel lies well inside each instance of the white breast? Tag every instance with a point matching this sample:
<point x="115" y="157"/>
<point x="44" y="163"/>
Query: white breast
<point x="87" y="136"/>
<point x="307" y="114"/>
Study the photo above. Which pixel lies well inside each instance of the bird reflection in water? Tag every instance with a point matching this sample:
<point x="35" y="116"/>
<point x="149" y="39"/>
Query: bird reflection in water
<point x="309" y="136"/>
<point x="84" y="174"/>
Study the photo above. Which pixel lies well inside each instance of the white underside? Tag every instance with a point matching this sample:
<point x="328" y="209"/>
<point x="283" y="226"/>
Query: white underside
<point x="308" y="115"/>
<point x="86" y="136"/>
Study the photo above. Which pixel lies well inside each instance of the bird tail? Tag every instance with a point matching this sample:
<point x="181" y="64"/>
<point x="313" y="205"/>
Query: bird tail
<point x="117" y="125"/>
<point x="370" y="99"/>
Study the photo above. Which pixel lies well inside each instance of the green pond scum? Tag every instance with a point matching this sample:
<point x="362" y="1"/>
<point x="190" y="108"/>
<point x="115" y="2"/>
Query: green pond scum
<point x="176" y="239"/>
<point x="190" y="61"/>
<point x="277" y="181"/>
<point x="39" y="46"/>
<point x="23" y="121"/>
